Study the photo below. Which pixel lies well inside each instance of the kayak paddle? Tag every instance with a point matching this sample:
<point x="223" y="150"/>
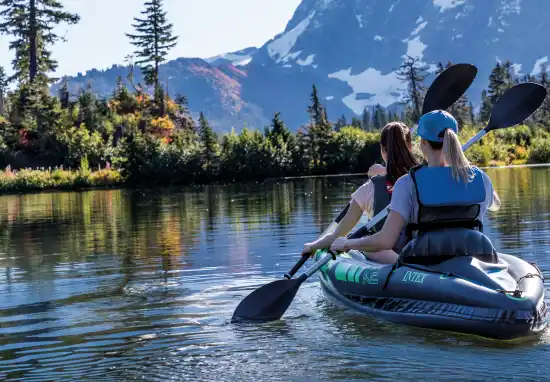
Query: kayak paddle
<point x="270" y="301"/>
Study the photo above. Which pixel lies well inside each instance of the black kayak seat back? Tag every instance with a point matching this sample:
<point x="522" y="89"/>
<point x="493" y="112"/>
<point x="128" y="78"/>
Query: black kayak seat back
<point x="439" y="245"/>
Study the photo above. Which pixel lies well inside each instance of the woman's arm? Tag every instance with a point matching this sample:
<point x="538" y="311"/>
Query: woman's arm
<point x="346" y="224"/>
<point x="376" y="169"/>
<point x="380" y="241"/>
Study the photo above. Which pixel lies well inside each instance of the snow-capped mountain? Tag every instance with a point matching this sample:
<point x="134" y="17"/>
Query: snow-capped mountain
<point x="351" y="49"/>
<point x="239" y="58"/>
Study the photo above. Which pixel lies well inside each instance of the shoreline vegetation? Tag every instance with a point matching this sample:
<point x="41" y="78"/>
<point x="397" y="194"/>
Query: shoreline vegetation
<point x="142" y="136"/>
<point x="51" y="180"/>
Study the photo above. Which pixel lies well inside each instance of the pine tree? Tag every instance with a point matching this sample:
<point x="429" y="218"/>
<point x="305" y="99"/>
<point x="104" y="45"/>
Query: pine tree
<point x="356" y="122"/>
<point x="64" y="95"/>
<point x="279" y="129"/>
<point x="379" y="118"/>
<point x="497" y="83"/>
<point x="341" y="122"/>
<point x="365" y="120"/>
<point x="316" y="109"/>
<point x="510" y="78"/>
<point x="543" y="113"/>
<point x="153" y="40"/>
<point x="32" y="23"/>
<point x="413" y="73"/>
<point x="319" y="131"/>
<point x="486" y="107"/>
<point x="3" y="89"/>
<point x="88" y="107"/>
<point x="472" y="115"/>
<point x="208" y="138"/>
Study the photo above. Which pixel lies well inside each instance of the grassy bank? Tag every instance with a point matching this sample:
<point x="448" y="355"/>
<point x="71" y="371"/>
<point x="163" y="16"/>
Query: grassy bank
<point x="42" y="179"/>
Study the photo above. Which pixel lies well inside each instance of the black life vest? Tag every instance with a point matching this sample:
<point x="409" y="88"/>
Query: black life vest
<point x="382" y="198"/>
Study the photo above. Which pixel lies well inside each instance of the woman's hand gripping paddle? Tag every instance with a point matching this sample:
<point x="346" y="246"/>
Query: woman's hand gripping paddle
<point x="271" y="301"/>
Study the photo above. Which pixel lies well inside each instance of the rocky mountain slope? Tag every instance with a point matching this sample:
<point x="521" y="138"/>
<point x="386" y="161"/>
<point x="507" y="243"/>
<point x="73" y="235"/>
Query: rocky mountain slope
<point x="351" y="50"/>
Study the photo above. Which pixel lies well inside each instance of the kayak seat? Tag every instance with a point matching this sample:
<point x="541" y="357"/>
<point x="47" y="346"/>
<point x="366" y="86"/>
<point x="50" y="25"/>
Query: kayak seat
<point x="434" y="247"/>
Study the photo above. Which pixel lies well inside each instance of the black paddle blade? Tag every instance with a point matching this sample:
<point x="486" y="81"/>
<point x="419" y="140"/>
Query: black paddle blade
<point x="448" y="87"/>
<point x="516" y="105"/>
<point x="268" y="302"/>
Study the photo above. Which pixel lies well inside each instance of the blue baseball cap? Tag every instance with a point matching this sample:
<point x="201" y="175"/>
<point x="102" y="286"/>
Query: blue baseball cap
<point x="432" y="125"/>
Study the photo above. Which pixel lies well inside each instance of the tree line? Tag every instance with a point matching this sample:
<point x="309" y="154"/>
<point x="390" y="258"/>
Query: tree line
<point x="152" y="138"/>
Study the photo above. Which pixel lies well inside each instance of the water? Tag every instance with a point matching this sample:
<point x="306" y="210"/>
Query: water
<point x="119" y="285"/>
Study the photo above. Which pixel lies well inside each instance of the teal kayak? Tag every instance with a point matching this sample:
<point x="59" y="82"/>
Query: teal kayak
<point x="500" y="299"/>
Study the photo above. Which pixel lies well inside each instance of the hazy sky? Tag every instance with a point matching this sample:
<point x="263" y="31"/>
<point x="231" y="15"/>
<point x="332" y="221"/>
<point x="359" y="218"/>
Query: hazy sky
<point x="205" y="28"/>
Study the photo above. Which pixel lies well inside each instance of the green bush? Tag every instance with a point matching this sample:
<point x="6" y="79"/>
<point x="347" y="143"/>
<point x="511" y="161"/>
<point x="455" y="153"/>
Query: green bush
<point x="540" y="151"/>
<point x="479" y="155"/>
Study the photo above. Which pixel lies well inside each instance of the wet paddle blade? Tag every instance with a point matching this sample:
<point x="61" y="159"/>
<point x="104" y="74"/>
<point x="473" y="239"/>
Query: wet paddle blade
<point x="516" y="105"/>
<point x="269" y="302"/>
<point x="448" y="87"/>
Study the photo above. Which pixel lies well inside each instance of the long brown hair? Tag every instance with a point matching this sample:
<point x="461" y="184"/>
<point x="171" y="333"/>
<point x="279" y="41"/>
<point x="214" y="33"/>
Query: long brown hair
<point x="396" y="139"/>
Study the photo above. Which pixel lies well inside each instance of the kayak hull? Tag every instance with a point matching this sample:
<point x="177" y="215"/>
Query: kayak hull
<point x="503" y="300"/>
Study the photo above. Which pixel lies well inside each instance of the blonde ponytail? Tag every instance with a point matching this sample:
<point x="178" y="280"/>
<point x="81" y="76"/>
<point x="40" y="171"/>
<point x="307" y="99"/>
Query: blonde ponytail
<point x="455" y="158"/>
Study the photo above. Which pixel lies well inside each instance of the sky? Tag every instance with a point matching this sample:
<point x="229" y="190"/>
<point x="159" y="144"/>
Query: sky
<point x="205" y="28"/>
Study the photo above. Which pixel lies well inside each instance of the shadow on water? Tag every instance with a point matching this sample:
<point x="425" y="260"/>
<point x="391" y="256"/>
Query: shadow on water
<point x="128" y="285"/>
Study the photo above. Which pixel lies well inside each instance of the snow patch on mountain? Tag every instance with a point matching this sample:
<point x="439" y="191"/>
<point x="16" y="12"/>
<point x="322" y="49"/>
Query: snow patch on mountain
<point x="446" y="5"/>
<point x="307" y="61"/>
<point x="538" y="64"/>
<point x="359" y="20"/>
<point x="290" y="56"/>
<point x="282" y="46"/>
<point x="415" y="47"/>
<point x="236" y="59"/>
<point x="384" y="89"/>
<point x="419" y="28"/>
<point x="510" y="6"/>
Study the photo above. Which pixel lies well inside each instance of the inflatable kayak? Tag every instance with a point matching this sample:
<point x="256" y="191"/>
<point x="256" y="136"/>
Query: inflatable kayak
<point x="472" y="289"/>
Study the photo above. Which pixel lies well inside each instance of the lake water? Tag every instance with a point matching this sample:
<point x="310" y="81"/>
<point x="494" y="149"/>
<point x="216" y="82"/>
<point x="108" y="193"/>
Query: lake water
<point x="125" y="285"/>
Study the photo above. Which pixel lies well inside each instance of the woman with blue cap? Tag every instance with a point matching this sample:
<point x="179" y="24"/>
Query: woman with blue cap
<point x="448" y="192"/>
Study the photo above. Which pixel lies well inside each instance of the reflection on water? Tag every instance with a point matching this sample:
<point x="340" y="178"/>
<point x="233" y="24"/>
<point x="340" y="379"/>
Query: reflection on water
<point x="125" y="285"/>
